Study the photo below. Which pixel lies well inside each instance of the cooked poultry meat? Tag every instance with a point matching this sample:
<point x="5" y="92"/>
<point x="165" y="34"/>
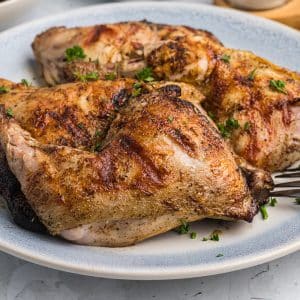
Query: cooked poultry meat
<point x="102" y="165"/>
<point x="121" y="48"/>
<point x="261" y="98"/>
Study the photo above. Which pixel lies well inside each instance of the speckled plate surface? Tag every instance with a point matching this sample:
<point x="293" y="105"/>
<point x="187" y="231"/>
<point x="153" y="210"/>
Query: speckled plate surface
<point x="169" y="255"/>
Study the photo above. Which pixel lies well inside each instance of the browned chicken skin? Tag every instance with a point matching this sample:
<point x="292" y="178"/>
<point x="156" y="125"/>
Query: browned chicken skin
<point x="237" y="84"/>
<point x="102" y="166"/>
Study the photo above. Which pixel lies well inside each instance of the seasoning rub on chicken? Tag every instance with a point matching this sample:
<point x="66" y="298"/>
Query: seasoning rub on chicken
<point x="254" y="102"/>
<point x="111" y="163"/>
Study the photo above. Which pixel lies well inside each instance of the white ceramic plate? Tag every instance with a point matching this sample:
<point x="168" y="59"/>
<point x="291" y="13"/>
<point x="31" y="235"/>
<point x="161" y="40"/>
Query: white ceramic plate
<point x="169" y="255"/>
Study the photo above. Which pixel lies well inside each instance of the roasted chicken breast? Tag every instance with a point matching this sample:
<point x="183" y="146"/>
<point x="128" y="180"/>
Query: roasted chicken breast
<point x="101" y="164"/>
<point x="259" y="96"/>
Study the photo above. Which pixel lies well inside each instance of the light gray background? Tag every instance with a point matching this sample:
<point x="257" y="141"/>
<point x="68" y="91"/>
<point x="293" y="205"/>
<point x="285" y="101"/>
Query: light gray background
<point x="278" y="280"/>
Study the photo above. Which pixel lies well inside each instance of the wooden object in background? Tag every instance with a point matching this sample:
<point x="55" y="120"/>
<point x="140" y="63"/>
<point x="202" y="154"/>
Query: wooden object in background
<point x="288" y="14"/>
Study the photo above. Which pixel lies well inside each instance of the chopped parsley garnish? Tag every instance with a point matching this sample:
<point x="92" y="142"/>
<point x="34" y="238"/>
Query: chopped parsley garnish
<point x="96" y="147"/>
<point x="137" y="89"/>
<point x="278" y="85"/>
<point x="25" y="82"/>
<point x="211" y="115"/>
<point x="145" y="75"/>
<point x="219" y="255"/>
<point x="297" y="201"/>
<point x="80" y="125"/>
<point x="227" y="127"/>
<point x="264" y="212"/>
<point x="273" y="202"/>
<point x="226" y="58"/>
<point x="214" y="236"/>
<point x="9" y="113"/>
<point x="193" y="235"/>
<point x="247" y="126"/>
<point x="87" y="77"/>
<point x="4" y="89"/>
<point x="170" y="119"/>
<point x="74" y="53"/>
<point x="110" y="76"/>
<point x="252" y="74"/>
<point x="184" y="228"/>
<point x="97" y="133"/>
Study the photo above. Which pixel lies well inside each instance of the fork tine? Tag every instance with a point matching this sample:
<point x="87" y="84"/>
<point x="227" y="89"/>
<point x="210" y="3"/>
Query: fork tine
<point x="286" y="193"/>
<point x="292" y="169"/>
<point x="288" y="175"/>
<point x="289" y="184"/>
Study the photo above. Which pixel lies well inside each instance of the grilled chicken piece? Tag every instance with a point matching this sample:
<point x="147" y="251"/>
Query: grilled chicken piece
<point x="238" y="85"/>
<point x="120" y="48"/>
<point x="77" y="118"/>
<point x="158" y="161"/>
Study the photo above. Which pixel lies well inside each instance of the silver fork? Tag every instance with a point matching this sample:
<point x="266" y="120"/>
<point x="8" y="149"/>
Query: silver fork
<point x="292" y="192"/>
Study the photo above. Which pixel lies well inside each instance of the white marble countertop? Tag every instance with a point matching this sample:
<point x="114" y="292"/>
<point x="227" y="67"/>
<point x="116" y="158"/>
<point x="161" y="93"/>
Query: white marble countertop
<point x="278" y="280"/>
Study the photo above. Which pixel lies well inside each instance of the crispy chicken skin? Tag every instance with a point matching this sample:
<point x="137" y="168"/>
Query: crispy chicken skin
<point x="237" y="84"/>
<point x="155" y="159"/>
<point x="122" y="48"/>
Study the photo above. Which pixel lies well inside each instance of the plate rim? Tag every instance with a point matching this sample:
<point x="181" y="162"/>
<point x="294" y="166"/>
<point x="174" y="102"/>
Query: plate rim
<point x="157" y="273"/>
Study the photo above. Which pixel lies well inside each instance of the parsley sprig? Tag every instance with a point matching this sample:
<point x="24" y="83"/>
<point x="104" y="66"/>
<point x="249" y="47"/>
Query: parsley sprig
<point x="184" y="228"/>
<point x="145" y="75"/>
<point x="226" y="58"/>
<point x="74" y="53"/>
<point x="278" y="86"/>
<point x="9" y="113"/>
<point x="4" y="89"/>
<point x="227" y="127"/>
<point x="86" y="77"/>
<point x="272" y="201"/>
<point x="264" y="212"/>
<point x="252" y="74"/>
<point x="137" y="89"/>
<point x="110" y="76"/>
<point x="25" y="82"/>
<point x="214" y="236"/>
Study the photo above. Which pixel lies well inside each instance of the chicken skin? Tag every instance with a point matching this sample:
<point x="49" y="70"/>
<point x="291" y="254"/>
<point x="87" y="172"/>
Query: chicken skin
<point x="261" y="98"/>
<point x="101" y="164"/>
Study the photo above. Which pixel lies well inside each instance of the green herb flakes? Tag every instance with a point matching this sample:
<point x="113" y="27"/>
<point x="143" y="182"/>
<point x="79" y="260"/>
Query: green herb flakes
<point x="145" y="74"/>
<point x="184" y="228"/>
<point x="247" y="126"/>
<point x="264" y="212"/>
<point x="252" y="74"/>
<point x="4" y="89"/>
<point x="137" y="89"/>
<point x="297" y="201"/>
<point x="74" y="53"/>
<point x="211" y="115"/>
<point x="278" y="85"/>
<point x="272" y="201"/>
<point x="96" y="147"/>
<point x="97" y="133"/>
<point x="170" y="119"/>
<point x="110" y="76"/>
<point x="25" y="82"/>
<point x="214" y="236"/>
<point x="193" y="235"/>
<point x="226" y="58"/>
<point x="9" y="113"/>
<point x="220" y="255"/>
<point x="80" y="125"/>
<point x="92" y="76"/>
<point x="227" y="127"/>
